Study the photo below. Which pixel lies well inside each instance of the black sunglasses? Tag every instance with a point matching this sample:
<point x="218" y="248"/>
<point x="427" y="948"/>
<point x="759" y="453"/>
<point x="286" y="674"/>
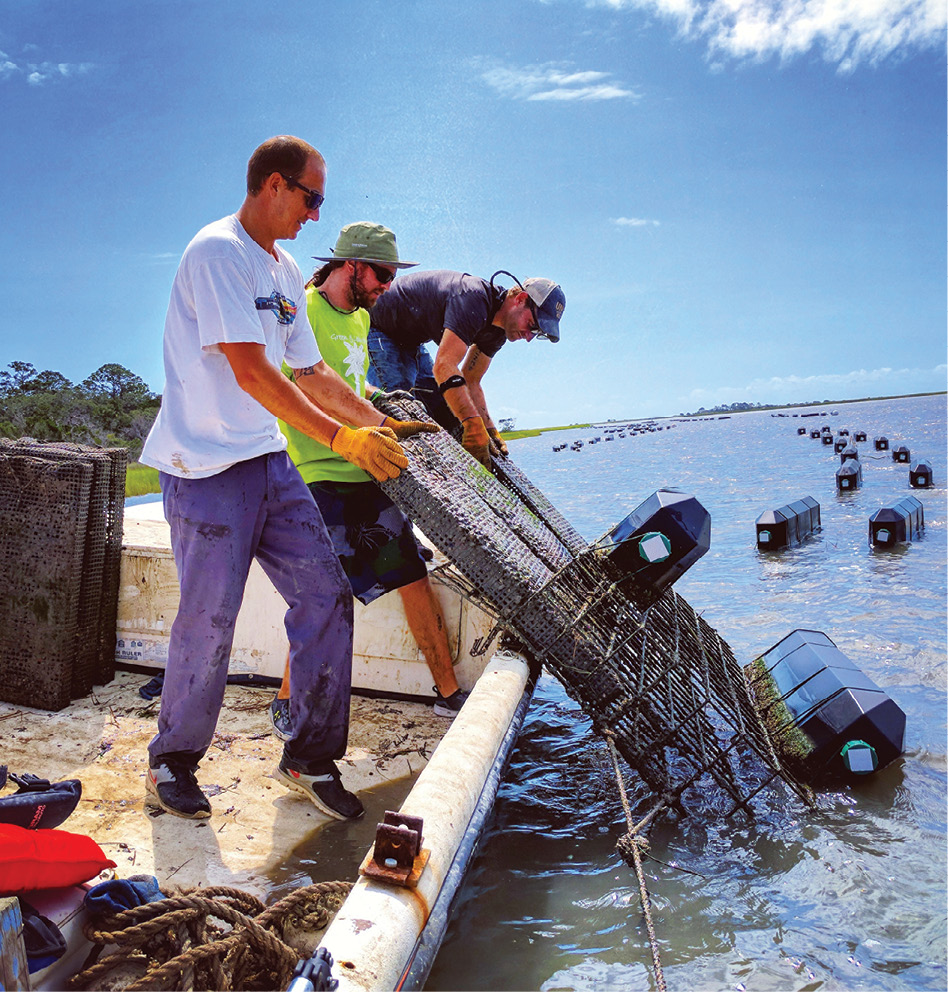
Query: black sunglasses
<point x="382" y="275"/>
<point x="314" y="199"/>
<point x="535" y="327"/>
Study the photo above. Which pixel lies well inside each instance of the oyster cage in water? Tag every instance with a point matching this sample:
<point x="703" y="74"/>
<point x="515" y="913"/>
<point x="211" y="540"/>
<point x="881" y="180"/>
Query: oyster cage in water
<point x="659" y="681"/>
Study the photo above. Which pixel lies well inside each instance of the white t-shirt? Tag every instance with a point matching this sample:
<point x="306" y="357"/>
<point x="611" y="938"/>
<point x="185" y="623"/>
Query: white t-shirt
<point x="227" y="289"/>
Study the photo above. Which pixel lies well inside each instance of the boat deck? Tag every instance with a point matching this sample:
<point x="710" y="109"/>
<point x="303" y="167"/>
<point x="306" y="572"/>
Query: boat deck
<point x="261" y="837"/>
<point x="259" y="831"/>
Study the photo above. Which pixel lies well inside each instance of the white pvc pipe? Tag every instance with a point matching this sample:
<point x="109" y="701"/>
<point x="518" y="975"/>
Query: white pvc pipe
<point x="374" y="933"/>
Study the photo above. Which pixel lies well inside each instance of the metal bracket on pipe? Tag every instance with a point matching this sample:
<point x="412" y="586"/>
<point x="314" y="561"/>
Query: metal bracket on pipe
<point x="397" y="856"/>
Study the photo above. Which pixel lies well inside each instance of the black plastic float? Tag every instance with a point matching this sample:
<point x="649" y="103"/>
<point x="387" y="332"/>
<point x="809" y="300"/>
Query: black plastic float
<point x="659" y="541"/>
<point x="840" y="443"/>
<point x="902" y="454"/>
<point x="848" y="453"/>
<point x="816" y="434"/>
<point x="859" y="436"/>
<point x="849" y="476"/>
<point x="920" y="475"/>
<point x="881" y="443"/>
<point x="902" y="521"/>
<point x="827" y="438"/>
<point x="826" y="718"/>
<point x="787" y="525"/>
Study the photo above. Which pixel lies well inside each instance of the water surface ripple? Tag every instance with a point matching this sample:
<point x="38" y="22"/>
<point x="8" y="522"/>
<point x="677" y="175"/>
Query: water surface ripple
<point x="851" y="895"/>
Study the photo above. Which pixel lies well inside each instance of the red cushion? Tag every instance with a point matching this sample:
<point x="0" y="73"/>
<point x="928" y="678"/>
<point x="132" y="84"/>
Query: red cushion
<point x="46" y="859"/>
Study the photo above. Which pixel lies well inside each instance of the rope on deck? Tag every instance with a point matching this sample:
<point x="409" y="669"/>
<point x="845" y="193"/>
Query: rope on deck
<point x="629" y="845"/>
<point x="215" y="938"/>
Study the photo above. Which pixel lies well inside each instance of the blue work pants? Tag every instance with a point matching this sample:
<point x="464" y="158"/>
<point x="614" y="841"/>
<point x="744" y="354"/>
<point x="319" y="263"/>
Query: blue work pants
<point x="259" y="509"/>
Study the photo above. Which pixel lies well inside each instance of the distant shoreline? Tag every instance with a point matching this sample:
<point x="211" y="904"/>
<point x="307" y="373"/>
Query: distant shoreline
<point x="717" y="412"/>
<point x="142" y="480"/>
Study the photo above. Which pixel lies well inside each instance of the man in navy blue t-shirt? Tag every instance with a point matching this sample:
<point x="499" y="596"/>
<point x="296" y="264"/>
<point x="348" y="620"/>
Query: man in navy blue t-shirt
<point x="471" y="319"/>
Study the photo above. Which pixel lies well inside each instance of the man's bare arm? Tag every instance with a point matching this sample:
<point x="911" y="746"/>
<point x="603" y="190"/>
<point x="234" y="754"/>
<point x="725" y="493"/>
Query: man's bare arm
<point x="373" y="449"/>
<point x="451" y="354"/>
<point x="329" y="391"/>
<point x="259" y="378"/>
<point x="473" y="367"/>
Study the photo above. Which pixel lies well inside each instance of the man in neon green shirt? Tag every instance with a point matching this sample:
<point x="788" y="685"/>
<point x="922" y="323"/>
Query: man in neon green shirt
<point x="371" y="536"/>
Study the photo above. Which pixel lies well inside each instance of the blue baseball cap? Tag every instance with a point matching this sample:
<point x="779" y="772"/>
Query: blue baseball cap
<point x="549" y="303"/>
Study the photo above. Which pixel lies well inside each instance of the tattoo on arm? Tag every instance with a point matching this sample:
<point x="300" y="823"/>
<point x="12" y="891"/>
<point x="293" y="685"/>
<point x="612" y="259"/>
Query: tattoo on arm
<point x="472" y="360"/>
<point x="309" y="370"/>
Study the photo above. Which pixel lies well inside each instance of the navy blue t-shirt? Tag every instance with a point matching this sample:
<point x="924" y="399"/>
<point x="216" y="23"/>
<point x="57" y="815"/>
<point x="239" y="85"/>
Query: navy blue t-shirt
<point x="420" y="305"/>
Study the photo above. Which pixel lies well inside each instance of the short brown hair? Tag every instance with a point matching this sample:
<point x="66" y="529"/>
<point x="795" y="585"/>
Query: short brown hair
<point x="284" y="154"/>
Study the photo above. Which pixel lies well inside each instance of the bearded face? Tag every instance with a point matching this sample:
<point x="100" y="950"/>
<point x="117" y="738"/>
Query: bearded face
<point x="365" y="287"/>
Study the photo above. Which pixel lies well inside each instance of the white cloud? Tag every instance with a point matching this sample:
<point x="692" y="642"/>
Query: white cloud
<point x="45" y="71"/>
<point x="37" y="73"/>
<point x="634" y="222"/>
<point x="552" y="81"/>
<point x="7" y="68"/>
<point x="847" y="32"/>
<point x="835" y="386"/>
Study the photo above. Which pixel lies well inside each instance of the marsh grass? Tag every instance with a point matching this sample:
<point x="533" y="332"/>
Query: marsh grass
<point x="536" y="431"/>
<point x="141" y="480"/>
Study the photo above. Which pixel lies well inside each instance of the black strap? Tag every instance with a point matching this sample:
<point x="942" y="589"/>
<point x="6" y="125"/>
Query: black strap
<point x="30" y="783"/>
<point x="452" y="382"/>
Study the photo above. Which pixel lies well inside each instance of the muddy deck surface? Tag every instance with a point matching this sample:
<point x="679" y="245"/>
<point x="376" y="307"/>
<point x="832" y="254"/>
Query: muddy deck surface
<point x="261" y="837"/>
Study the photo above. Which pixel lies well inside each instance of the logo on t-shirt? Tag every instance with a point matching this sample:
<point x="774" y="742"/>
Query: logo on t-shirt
<point x="284" y="309"/>
<point x="354" y="362"/>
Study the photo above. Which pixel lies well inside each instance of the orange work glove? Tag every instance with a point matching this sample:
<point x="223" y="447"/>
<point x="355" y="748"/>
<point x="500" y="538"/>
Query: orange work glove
<point x="475" y="441"/>
<point x="408" y="428"/>
<point x="497" y="445"/>
<point x="373" y="449"/>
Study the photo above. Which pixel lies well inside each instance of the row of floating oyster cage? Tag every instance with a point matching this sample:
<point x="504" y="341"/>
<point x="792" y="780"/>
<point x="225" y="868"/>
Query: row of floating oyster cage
<point x="849" y="474"/>
<point x="615" y="433"/>
<point x="787" y="678"/>
<point x="903" y="521"/>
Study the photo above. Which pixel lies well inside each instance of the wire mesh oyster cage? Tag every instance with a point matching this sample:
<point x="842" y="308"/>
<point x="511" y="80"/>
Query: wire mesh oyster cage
<point x="657" y="679"/>
<point x="61" y="533"/>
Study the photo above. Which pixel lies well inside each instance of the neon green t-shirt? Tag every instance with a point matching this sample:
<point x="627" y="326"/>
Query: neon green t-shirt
<point x="342" y="343"/>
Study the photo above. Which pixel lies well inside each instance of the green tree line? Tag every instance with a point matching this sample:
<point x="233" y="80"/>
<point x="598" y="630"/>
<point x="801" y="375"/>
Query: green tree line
<point x="113" y="407"/>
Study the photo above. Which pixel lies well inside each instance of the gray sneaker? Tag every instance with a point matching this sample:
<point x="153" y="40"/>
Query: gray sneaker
<point x="324" y="790"/>
<point x="280" y="719"/>
<point x="450" y="706"/>
<point x="175" y="789"/>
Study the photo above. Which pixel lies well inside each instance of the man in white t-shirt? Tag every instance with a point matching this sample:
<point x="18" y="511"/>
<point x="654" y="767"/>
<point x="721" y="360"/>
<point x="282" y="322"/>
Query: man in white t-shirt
<point x="231" y="493"/>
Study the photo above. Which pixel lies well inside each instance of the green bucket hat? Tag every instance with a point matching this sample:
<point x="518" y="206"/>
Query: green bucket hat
<point x="365" y="242"/>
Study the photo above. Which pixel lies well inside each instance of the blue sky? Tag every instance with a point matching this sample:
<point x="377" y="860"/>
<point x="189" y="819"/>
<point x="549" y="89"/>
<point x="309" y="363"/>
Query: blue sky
<point x="744" y="200"/>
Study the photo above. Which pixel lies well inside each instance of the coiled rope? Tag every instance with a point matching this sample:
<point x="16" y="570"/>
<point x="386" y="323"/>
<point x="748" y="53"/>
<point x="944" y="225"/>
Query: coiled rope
<point x="629" y="846"/>
<point x="216" y="938"/>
